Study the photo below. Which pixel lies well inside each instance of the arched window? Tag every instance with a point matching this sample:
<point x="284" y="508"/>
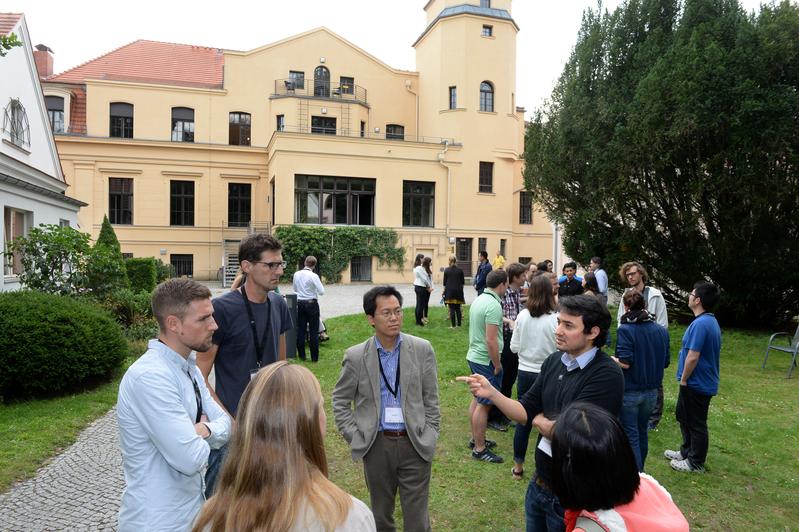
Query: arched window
<point x="182" y="124"/>
<point x="321" y="82"/>
<point x="15" y="123"/>
<point x="487" y="97"/>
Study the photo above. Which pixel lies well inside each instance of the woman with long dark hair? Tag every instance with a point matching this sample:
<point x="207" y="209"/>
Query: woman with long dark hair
<point x="596" y="479"/>
<point x="423" y="286"/>
<point x="590" y="285"/>
<point x="275" y="474"/>
<point x="534" y="340"/>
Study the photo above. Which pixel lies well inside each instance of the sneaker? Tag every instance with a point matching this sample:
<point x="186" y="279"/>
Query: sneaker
<point x="487" y="456"/>
<point x="685" y="467"/>
<point x="490" y="444"/>
<point x="496" y="425"/>
<point x="673" y="455"/>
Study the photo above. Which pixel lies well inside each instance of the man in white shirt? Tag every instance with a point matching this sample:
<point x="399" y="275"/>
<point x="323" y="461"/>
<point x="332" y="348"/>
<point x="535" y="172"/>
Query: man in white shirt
<point x="308" y="288"/>
<point x="168" y="422"/>
<point x="601" y="277"/>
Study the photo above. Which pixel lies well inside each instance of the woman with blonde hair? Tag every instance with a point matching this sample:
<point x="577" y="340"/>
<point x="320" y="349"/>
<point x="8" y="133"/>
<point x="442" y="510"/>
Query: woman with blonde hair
<point x="275" y="475"/>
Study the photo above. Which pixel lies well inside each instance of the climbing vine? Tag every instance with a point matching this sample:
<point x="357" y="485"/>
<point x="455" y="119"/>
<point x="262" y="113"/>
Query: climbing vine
<point x="334" y="247"/>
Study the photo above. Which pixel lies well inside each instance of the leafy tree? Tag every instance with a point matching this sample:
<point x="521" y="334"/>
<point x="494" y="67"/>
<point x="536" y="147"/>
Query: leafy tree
<point x="106" y="268"/>
<point x="108" y="237"/>
<point x="672" y="138"/>
<point x="7" y="42"/>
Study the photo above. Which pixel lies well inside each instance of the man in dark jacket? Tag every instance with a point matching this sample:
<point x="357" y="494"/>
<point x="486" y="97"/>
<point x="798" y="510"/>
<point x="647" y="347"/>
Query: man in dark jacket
<point x="482" y="272"/>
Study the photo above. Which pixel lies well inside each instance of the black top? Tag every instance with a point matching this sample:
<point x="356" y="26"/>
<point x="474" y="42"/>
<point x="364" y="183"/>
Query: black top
<point x="601" y="383"/>
<point x="571" y="287"/>
<point x="237" y="353"/>
<point x="453" y="283"/>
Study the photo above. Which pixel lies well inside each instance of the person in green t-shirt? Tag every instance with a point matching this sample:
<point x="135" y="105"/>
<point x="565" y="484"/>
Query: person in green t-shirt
<point x="485" y="333"/>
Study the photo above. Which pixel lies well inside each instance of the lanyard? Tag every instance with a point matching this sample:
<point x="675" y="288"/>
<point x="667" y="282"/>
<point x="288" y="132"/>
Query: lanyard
<point x="395" y="391"/>
<point x="260" y="346"/>
<point x="197" y="397"/>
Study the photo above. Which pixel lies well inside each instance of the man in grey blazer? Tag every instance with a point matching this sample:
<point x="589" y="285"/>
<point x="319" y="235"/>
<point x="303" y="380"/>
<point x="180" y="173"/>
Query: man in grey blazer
<point x="391" y="379"/>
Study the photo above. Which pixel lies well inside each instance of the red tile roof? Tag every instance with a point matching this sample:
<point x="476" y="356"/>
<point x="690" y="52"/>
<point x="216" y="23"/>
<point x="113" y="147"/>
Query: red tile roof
<point x="8" y="21"/>
<point x="153" y="62"/>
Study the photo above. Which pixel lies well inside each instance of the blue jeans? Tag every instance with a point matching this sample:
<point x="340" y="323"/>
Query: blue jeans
<point x="215" y="460"/>
<point x="521" y="435"/>
<point x="636" y="407"/>
<point x="542" y="510"/>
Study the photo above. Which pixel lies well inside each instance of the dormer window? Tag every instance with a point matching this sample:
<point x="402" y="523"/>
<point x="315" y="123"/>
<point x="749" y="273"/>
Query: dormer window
<point x="55" y="112"/>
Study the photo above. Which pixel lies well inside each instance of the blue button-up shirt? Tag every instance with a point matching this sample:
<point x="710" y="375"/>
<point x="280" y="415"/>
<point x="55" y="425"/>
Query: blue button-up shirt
<point x="390" y="362"/>
<point x="579" y="362"/>
<point x="163" y="458"/>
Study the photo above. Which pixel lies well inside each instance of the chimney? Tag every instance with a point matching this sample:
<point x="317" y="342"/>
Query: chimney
<point x="43" y="56"/>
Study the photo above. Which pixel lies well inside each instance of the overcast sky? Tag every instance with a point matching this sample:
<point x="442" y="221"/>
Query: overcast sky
<point x="81" y="30"/>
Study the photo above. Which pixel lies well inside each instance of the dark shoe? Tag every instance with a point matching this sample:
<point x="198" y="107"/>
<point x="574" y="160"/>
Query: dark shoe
<point x="487" y="456"/>
<point x="490" y="444"/>
<point x="496" y="425"/>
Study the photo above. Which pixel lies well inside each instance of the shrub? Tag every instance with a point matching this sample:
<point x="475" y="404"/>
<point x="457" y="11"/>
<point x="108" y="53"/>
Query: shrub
<point x="108" y="237"/>
<point x="142" y="273"/>
<point x="129" y="307"/>
<point x="51" y="344"/>
<point x="105" y="271"/>
<point x="163" y="271"/>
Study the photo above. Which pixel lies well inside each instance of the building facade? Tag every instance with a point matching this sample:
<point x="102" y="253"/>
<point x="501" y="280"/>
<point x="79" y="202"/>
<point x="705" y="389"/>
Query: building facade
<point x="32" y="186"/>
<point x="187" y="148"/>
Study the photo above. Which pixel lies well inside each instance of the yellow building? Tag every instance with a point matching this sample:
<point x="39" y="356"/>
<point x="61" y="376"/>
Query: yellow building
<point x="188" y="148"/>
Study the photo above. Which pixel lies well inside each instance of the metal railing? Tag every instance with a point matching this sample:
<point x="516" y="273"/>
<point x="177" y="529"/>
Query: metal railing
<point x="327" y="90"/>
<point x="351" y="133"/>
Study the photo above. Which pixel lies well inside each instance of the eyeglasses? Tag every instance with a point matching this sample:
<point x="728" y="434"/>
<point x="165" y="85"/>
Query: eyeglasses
<point x="271" y="265"/>
<point x="388" y="314"/>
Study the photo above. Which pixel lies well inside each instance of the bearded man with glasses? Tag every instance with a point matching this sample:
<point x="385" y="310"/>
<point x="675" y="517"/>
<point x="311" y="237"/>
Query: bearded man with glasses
<point x="252" y="320"/>
<point x="386" y="407"/>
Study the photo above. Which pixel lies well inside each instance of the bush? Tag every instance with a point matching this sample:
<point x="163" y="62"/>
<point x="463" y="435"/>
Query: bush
<point x="105" y="271"/>
<point x="142" y="273"/>
<point x="52" y="344"/>
<point x="129" y="307"/>
<point x="163" y="271"/>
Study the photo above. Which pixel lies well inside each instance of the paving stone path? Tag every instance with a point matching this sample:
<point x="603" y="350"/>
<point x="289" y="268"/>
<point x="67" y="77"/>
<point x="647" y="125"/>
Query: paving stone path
<point x="81" y="488"/>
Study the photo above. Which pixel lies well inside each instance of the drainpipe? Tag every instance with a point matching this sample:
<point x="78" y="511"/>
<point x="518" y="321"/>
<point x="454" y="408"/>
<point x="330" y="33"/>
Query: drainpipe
<point x="441" y="156"/>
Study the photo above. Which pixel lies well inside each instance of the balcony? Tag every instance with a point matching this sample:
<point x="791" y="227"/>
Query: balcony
<point x="325" y="90"/>
<point x="325" y="129"/>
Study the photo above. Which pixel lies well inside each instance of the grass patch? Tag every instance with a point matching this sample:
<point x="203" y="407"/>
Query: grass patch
<point x="751" y="483"/>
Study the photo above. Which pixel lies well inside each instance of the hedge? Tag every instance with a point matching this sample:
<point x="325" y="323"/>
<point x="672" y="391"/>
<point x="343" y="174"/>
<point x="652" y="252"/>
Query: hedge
<point x="142" y="273"/>
<point x="52" y="344"/>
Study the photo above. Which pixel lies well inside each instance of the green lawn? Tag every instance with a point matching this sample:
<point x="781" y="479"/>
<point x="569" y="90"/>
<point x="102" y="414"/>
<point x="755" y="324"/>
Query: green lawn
<point x="753" y="464"/>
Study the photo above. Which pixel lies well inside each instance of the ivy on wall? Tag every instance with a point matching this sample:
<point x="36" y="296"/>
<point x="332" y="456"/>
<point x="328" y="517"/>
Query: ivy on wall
<point x="334" y="247"/>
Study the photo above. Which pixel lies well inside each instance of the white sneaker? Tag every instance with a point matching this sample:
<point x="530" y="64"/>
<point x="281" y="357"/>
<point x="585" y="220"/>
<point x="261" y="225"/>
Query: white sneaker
<point x="685" y="467"/>
<point x="673" y="455"/>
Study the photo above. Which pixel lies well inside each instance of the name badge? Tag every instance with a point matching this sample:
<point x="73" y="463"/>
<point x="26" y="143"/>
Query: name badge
<point x="393" y="415"/>
<point x="545" y="445"/>
<point x="254" y="372"/>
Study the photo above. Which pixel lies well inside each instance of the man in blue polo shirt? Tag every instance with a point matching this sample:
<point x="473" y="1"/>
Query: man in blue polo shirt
<point x="698" y="374"/>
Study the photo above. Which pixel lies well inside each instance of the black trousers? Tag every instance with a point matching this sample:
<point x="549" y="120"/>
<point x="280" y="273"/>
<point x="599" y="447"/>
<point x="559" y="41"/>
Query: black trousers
<point x="657" y="413"/>
<point x="308" y="318"/>
<point x="691" y="413"/>
<point x="455" y="315"/>
<point x="422" y="300"/>
<point x="510" y="370"/>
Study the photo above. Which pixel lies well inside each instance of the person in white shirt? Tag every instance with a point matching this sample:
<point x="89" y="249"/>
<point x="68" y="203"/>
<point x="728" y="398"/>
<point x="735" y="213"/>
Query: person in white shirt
<point x="534" y="340"/>
<point x="308" y="288"/>
<point x="423" y="286"/>
<point x="601" y="277"/>
<point x="168" y="422"/>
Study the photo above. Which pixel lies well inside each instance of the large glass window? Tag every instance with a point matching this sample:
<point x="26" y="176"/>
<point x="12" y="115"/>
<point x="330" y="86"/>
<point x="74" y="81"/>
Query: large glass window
<point x="239" y="204"/>
<point x="334" y="200"/>
<point x="323" y="125"/>
<point x="239" y="129"/>
<point x="525" y="207"/>
<point x="486" y="177"/>
<point x="181" y="203"/>
<point x="347" y="85"/>
<point x="55" y="112"/>
<point x="182" y="124"/>
<point x="395" y="132"/>
<point x="120" y="200"/>
<point x="297" y="79"/>
<point x="321" y="82"/>
<point x="487" y="97"/>
<point x="121" y="122"/>
<point x="453" y="97"/>
<point x="418" y="203"/>
<point x="183" y="265"/>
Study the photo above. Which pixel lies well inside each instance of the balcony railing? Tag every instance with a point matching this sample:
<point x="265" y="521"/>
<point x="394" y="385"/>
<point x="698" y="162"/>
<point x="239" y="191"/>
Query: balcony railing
<point x="327" y="90"/>
<point x="351" y="133"/>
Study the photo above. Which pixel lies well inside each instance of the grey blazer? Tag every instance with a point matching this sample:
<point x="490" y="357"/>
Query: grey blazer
<point x="359" y="383"/>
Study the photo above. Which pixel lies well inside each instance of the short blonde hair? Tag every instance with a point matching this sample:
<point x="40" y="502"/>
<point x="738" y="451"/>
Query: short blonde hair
<point x="173" y="297"/>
